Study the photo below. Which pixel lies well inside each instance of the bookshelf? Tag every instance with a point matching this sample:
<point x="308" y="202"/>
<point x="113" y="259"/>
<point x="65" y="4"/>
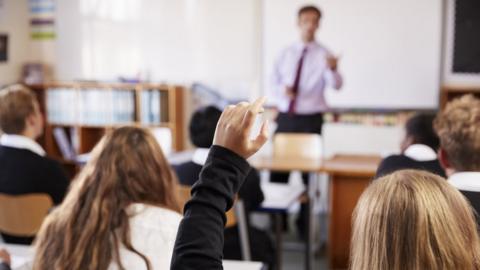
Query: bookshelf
<point x="449" y="92"/>
<point x="83" y="112"/>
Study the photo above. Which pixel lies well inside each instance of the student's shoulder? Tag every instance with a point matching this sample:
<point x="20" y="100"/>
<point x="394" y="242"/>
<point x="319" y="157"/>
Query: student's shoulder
<point x="153" y="217"/>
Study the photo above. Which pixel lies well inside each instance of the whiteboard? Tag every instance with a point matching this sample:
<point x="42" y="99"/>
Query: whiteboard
<point x="390" y="49"/>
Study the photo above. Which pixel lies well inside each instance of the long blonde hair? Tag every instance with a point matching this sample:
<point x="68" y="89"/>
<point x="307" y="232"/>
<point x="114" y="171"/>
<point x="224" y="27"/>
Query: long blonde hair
<point x="413" y="220"/>
<point x="87" y="229"/>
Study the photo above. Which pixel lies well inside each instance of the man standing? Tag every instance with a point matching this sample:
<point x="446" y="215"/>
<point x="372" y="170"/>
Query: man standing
<point x="300" y="76"/>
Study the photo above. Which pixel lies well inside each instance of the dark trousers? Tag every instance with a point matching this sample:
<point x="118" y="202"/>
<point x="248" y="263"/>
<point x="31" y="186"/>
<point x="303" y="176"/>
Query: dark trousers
<point x="295" y="123"/>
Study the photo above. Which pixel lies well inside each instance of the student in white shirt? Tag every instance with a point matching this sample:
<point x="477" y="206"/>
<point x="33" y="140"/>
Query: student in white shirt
<point x="418" y="148"/>
<point x="122" y="210"/>
<point x="458" y="127"/>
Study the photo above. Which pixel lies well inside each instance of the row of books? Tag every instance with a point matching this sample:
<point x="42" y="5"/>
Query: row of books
<point x="372" y="119"/>
<point x="68" y="143"/>
<point x="103" y="107"/>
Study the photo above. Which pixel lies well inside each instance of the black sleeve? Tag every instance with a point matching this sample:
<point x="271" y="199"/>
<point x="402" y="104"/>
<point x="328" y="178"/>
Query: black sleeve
<point x="199" y="242"/>
<point x="55" y="182"/>
<point x="251" y="193"/>
<point x="388" y="165"/>
<point x="4" y="266"/>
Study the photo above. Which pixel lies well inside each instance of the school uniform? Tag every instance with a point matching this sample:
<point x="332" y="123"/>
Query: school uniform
<point x="200" y="238"/>
<point x="251" y="193"/>
<point x="468" y="183"/>
<point x="4" y="266"/>
<point x="25" y="169"/>
<point x="416" y="156"/>
<point x="153" y="231"/>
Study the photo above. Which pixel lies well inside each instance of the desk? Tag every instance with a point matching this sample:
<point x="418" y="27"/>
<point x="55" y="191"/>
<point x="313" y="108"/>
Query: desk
<point x="22" y="257"/>
<point x="307" y="165"/>
<point x="349" y="176"/>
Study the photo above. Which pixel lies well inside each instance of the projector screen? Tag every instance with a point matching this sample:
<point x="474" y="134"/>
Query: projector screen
<point x="389" y="51"/>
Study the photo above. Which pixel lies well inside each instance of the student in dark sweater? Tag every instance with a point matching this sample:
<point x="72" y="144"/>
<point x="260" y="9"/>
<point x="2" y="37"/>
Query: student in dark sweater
<point x="202" y="130"/>
<point x="458" y="126"/>
<point x="200" y="236"/>
<point x="24" y="167"/>
<point x="418" y="148"/>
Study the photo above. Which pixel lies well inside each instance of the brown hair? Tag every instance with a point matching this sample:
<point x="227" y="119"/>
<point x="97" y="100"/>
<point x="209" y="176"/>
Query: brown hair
<point x="413" y="220"/>
<point x="310" y="8"/>
<point x="16" y="104"/>
<point x="88" y="228"/>
<point x="458" y="127"/>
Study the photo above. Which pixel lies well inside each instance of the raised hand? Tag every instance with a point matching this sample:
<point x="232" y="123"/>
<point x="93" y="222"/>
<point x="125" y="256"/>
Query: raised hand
<point x="234" y="127"/>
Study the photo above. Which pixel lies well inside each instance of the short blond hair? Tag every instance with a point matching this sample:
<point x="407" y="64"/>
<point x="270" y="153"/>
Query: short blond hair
<point x="16" y="103"/>
<point x="413" y="220"/>
<point x="458" y="127"/>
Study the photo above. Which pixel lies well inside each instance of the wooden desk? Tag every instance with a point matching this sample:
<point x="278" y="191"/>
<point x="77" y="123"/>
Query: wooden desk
<point x="349" y="176"/>
<point x="308" y="165"/>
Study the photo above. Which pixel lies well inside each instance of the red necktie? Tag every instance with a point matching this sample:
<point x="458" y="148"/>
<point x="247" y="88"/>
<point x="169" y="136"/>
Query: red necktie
<point x="291" y="106"/>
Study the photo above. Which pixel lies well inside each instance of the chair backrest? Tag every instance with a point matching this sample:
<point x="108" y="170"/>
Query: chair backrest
<point x="297" y="145"/>
<point x="185" y="196"/>
<point x="22" y="215"/>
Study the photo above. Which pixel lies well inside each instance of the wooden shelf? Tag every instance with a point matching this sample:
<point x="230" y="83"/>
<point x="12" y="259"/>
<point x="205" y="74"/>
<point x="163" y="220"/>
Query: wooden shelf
<point x="450" y="92"/>
<point x="171" y="100"/>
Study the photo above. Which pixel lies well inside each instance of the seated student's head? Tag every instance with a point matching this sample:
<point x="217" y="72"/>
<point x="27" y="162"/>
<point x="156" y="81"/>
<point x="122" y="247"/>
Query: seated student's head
<point x="413" y="220"/>
<point x="20" y="112"/>
<point x="419" y="130"/>
<point x="202" y="126"/>
<point x="458" y="127"/>
<point x="88" y="228"/>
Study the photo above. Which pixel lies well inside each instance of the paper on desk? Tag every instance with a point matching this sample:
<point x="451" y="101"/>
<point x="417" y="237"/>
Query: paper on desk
<point x="20" y="262"/>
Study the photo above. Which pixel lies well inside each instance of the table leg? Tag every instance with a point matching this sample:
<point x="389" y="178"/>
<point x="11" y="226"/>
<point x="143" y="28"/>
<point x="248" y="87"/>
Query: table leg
<point x="309" y="226"/>
<point x="278" y="241"/>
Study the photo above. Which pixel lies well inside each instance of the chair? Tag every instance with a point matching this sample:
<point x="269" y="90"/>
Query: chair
<point x="297" y="145"/>
<point x="22" y="215"/>
<point x="235" y="216"/>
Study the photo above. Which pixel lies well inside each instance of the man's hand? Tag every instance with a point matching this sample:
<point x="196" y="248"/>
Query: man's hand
<point x="234" y="126"/>
<point x="4" y="256"/>
<point x="289" y="92"/>
<point x="332" y="62"/>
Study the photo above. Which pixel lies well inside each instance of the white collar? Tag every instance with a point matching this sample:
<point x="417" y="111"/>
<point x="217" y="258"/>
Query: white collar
<point x="300" y="45"/>
<point x="420" y="152"/>
<point x="468" y="181"/>
<point x="21" y="142"/>
<point x="200" y="156"/>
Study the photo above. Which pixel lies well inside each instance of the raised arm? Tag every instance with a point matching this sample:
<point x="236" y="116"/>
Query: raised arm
<point x="199" y="243"/>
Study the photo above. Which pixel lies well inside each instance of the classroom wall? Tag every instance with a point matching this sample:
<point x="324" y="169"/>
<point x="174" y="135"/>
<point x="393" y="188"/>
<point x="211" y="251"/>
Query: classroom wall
<point x="14" y="22"/>
<point x="181" y="41"/>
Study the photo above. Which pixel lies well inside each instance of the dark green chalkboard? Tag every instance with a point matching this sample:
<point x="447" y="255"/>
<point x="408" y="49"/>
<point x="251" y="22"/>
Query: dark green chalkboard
<point x="466" y="51"/>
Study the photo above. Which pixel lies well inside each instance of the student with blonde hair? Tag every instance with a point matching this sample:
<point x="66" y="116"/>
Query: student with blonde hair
<point x="121" y="212"/>
<point x="413" y="220"/>
<point x="458" y="126"/>
<point x="24" y="166"/>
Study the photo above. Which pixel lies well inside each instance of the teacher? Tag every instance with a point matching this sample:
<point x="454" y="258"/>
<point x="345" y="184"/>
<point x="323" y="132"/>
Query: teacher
<point x="301" y="73"/>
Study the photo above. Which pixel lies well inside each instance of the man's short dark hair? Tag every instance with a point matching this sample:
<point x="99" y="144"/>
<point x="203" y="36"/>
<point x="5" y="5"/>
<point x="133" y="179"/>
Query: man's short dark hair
<point x="202" y="126"/>
<point x="310" y="8"/>
<point x="420" y="128"/>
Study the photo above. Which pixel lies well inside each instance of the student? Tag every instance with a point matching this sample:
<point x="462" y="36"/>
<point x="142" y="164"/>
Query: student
<point x="413" y="220"/>
<point x="122" y="210"/>
<point x="4" y="260"/>
<point x="458" y="127"/>
<point x="200" y="236"/>
<point x="24" y="167"/>
<point x="202" y="130"/>
<point x="419" y="148"/>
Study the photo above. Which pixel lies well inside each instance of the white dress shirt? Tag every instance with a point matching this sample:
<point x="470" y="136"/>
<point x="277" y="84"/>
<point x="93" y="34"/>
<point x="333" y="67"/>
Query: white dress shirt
<point x="420" y="152"/>
<point x="467" y="181"/>
<point x="153" y="231"/>
<point x="314" y="78"/>
<point x="21" y="142"/>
